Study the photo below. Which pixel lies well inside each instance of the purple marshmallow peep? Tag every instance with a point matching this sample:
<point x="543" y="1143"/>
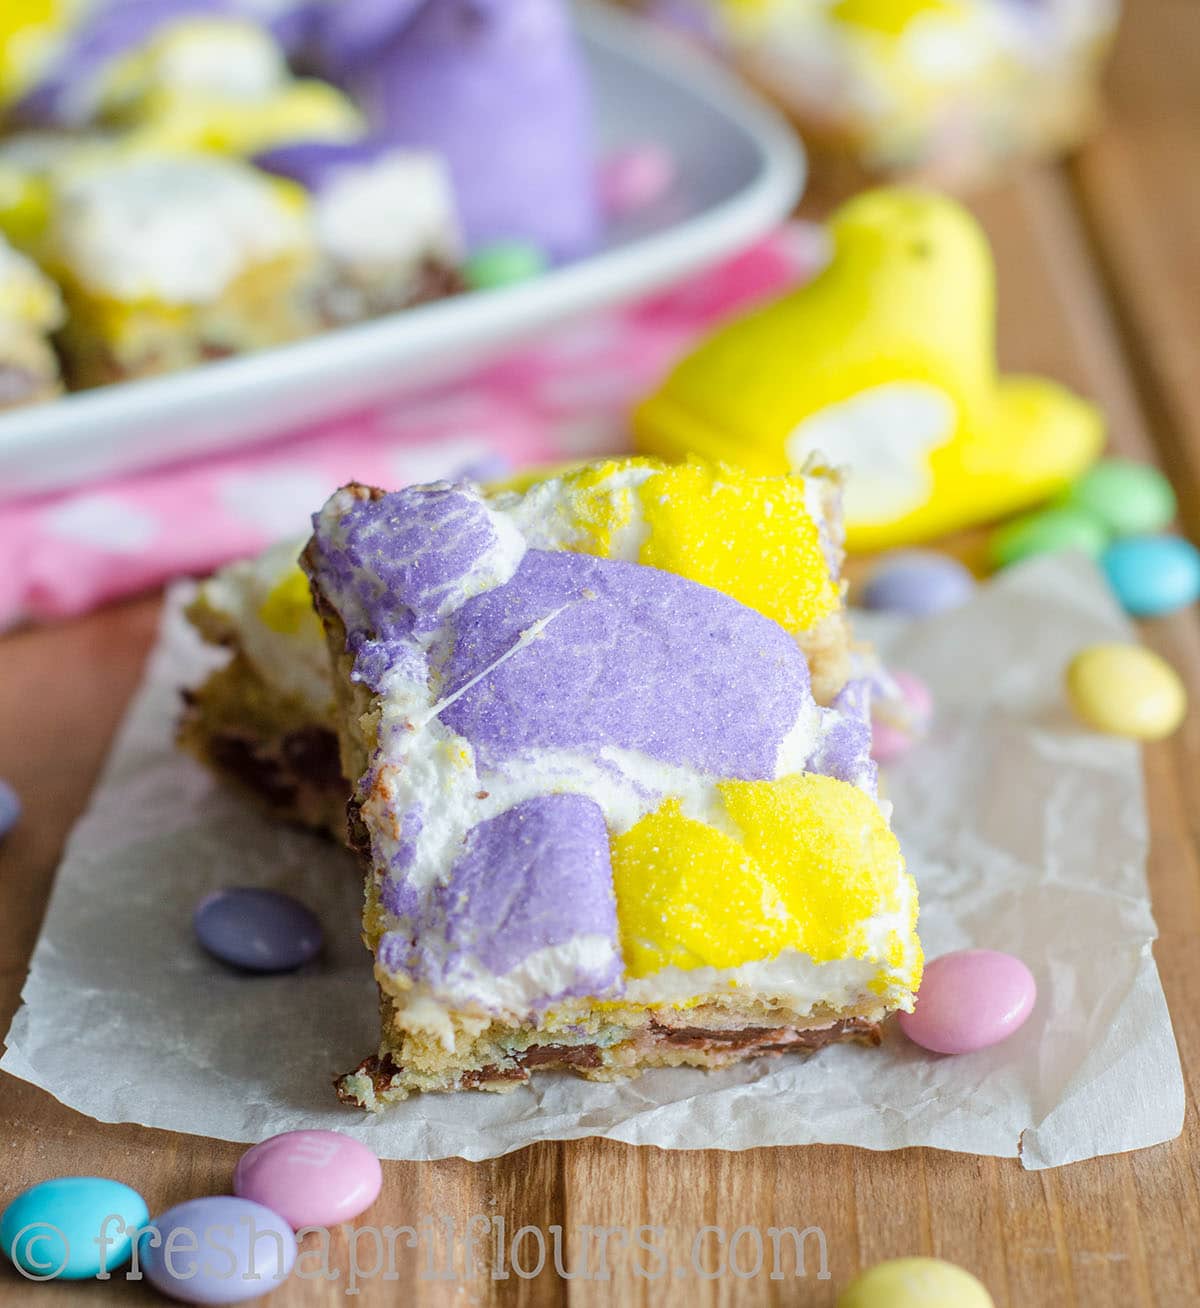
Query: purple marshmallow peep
<point x="499" y="89"/>
<point x="397" y="562"/>
<point x="845" y="748"/>
<point x="295" y="24"/>
<point x="536" y="877"/>
<point x="314" y="164"/>
<point x="637" y="659"/>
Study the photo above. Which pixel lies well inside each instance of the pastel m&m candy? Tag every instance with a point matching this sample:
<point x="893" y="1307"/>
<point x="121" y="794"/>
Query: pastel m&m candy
<point x="311" y="1178"/>
<point x="217" y="1250"/>
<point x="1153" y="575"/>
<point x="1048" y="531"/>
<point x="259" y="930"/>
<point x="503" y="263"/>
<point x="969" y="1000"/>
<point x="72" y="1228"/>
<point x="634" y="178"/>
<point x="1129" y="498"/>
<point x="919" y="583"/>
<point x="10" y="808"/>
<point x="1126" y="690"/>
<point x="915" y="1283"/>
<point x="895" y="728"/>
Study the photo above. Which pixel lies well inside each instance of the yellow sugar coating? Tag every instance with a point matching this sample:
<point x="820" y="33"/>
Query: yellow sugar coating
<point x="304" y="110"/>
<point x="288" y="607"/>
<point x="25" y="202"/>
<point x="812" y="864"/>
<point x="600" y="509"/>
<point x="751" y="537"/>
<point x="690" y="896"/>
<point x="891" y="17"/>
<point x="28" y="30"/>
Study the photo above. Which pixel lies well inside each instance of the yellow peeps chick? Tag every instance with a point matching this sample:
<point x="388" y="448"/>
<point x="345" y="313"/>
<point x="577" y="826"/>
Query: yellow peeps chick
<point x="884" y="365"/>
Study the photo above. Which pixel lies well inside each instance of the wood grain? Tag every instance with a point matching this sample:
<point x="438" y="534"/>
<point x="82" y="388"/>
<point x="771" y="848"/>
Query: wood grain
<point x="1100" y="285"/>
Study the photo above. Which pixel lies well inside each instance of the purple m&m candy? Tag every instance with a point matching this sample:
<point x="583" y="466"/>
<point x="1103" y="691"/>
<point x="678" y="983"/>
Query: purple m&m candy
<point x="969" y="1000"/>
<point x="311" y="1178"/>
<point x="217" y="1250"/>
<point x="10" y="809"/>
<point x="919" y="583"/>
<point x="259" y="930"/>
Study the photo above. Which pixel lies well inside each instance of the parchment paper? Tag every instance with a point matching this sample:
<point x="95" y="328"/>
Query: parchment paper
<point x="1026" y="833"/>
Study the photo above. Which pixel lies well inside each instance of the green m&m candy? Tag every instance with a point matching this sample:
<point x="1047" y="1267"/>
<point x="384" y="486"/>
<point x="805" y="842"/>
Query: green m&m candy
<point x="503" y="263"/>
<point x="1046" y="532"/>
<point x="1131" y="499"/>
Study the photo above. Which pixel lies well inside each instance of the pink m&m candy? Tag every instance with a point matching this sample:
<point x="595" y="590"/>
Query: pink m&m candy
<point x="896" y="727"/>
<point x="310" y="1178"/>
<point x="969" y="1000"/>
<point x="634" y="178"/>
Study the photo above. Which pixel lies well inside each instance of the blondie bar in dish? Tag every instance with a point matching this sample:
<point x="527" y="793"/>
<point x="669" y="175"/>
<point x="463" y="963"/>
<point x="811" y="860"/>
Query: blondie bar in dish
<point x="224" y="85"/>
<point x="948" y="90"/>
<point x="30" y="309"/>
<point x="265" y="719"/>
<point x="384" y="220"/>
<point x="605" y="824"/>
<point x="167" y="260"/>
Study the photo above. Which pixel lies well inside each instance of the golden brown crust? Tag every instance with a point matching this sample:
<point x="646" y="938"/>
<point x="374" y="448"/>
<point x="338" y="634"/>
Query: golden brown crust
<point x="384" y="1078"/>
<point x="266" y="746"/>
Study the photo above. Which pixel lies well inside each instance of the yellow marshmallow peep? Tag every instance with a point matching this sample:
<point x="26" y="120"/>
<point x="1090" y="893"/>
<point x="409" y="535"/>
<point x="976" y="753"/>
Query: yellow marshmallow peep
<point x="808" y="864"/>
<point x="885" y="365"/>
<point x="754" y="538"/>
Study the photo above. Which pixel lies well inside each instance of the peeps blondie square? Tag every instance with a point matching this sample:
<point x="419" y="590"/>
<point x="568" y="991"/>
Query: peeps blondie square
<point x="612" y="778"/>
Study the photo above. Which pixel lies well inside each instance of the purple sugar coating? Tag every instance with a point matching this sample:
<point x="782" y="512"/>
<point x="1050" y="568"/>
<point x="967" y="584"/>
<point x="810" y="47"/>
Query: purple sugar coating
<point x="397" y="559"/>
<point x="638" y="659"/>
<point x="499" y="89"/>
<point x="845" y="749"/>
<point x="314" y="164"/>
<point x="397" y="893"/>
<point x="536" y="876"/>
<point x="63" y="98"/>
<point x="295" y="26"/>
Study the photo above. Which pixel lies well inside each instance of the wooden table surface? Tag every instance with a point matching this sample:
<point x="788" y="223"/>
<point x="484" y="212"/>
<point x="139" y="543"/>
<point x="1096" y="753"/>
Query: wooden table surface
<point x="1099" y="285"/>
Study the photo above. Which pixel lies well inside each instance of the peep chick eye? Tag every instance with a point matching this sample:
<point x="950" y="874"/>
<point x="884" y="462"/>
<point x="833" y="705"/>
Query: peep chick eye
<point x="920" y="249"/>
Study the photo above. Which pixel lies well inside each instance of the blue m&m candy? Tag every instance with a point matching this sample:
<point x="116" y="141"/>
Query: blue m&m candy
<point x="72" y="1228"/>
<point x="1153" y="575"/>
<point x="10" y="808"/>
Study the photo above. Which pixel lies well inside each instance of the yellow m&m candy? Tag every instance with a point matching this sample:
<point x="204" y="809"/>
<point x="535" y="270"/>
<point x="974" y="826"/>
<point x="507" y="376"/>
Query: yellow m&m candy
<point x="1126" y="690"/>
<point x="915" y="1283"/>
